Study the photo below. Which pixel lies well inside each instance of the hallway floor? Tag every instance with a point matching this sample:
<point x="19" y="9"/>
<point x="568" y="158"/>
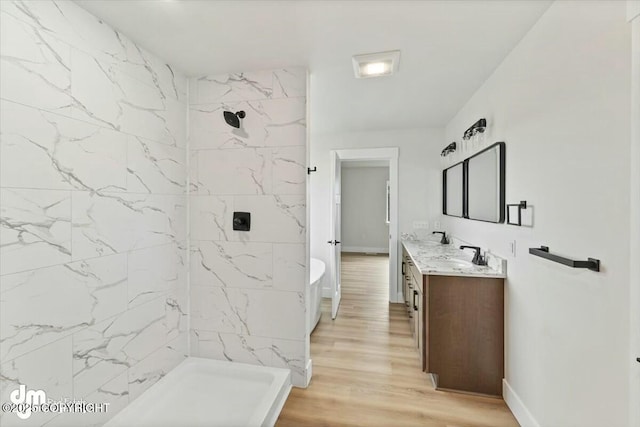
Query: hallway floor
<point x="365" y="367"/>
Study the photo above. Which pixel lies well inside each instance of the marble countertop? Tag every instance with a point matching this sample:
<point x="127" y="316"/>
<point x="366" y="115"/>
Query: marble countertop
<point x="433" y="258"/>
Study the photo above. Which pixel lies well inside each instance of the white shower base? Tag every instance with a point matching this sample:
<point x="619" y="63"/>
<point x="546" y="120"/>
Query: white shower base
<point x="205" y="392"/>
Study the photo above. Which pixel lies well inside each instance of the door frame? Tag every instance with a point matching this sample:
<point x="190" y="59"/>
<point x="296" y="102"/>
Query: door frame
<point x="390" y="154"/>
<point x="335" y="251"/>
<point x="633" y="18"/>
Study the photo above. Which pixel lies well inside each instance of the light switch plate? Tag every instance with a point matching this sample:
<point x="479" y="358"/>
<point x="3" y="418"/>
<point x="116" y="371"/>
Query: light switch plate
<point x="420" y="225"/>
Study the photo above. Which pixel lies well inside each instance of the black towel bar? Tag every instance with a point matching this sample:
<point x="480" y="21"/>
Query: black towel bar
<point x="522" y="205"/>
<point x="543" y="252"/>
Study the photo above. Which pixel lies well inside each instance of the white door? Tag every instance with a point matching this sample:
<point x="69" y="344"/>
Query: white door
<point x="334" y="241"/>
<point x="633" y="13"/>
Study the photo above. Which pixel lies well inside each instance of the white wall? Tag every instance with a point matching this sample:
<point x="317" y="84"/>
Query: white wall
<point x="248" y="288"/>
<point x="364" y="204"/>
<point x="419" y="177"/>
<point x="560" y="101"/>
<point x="93" y="211"/>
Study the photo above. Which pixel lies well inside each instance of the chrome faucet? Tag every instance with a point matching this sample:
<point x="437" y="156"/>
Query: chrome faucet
<point x="445" y="239"/>
<point x="478" y="259"/>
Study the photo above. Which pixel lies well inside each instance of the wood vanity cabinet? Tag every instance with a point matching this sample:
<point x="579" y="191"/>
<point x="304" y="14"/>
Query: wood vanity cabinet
<point x="465" y="333"/>
<point x="412" y="286"/>
<point x="458" y="325"/>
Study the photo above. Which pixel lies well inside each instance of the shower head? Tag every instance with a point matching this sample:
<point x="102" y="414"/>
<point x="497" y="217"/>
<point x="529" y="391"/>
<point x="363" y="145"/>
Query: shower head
<point x="233" y="119"/>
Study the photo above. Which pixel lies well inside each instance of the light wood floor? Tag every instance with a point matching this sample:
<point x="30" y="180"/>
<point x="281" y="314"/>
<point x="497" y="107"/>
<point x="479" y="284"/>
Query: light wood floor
<point x="365" y="368"/>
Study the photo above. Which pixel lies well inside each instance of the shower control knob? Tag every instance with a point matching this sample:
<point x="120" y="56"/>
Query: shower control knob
<point x="242" y="221"/>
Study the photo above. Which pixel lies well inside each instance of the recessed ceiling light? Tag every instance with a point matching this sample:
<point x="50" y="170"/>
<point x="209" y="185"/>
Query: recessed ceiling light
<point x="376" y="64"/>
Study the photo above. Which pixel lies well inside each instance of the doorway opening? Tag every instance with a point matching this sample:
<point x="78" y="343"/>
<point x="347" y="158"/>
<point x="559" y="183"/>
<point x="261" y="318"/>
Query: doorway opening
<point x="364" y="236"/>
<point x="364" y="218"/>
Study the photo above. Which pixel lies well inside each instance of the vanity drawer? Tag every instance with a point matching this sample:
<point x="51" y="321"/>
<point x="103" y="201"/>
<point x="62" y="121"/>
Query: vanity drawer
<point x="417" y="277"/>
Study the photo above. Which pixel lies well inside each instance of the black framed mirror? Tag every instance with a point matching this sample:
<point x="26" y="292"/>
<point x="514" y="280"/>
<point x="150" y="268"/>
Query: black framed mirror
<point x="475" y="188"/>
<point x="453" y="182"/>
<point x="485" y="184"/>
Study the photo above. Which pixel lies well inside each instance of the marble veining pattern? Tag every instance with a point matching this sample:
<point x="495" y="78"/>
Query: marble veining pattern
<point x="62" y="153"/>
<point x="35" y="66"/>
<point x="250" y="169"/>
<point x="112" y="222"/>
<point x="84" y="293"/>
<point x="35" y="229"/>
<point x="250" y="349"/>
<point x="153" y="167"/>
<point x="289" y="170"/>
<point x="289" y="266"/>
<point x="115" y="393"/>
<point x="428" y="255"/>
<point x="232" y="264"/>
<point x="268" y="123"/>
<point x="46" y="368"/>
<point x="93" y="235"/>
<point x="148" y="279"/>
<point x="233" y="87"/>
<point x="243" y="311"/>
<point x="136" y="94"/>
<point x="111" y="347"/>
<point x="279" y="219"/>
<point x="157" y="365"/>
<point x="210" y="217"/>
<point x="247" y="294"/>
<point x="93" y="227"/>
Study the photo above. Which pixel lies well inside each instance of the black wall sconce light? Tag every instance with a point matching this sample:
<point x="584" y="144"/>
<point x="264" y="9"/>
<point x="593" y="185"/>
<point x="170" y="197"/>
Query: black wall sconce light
<point x="477" y="127"/>
<point x="448" y="149"/>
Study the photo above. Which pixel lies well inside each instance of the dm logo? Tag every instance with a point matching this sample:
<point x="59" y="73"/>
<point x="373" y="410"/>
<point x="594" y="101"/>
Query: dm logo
<point x="26" y="399"/>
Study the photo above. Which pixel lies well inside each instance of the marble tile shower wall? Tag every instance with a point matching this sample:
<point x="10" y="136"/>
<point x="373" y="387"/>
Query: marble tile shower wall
<point x="248" y="288"/>
<point x="93" y="210"/>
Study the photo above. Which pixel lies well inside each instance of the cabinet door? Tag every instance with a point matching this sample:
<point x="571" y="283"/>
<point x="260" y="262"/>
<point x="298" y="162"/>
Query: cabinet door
<point x="405" y="287"/>
<point x="410" y="286"/>
<point x="416" y="316"/>
<point x="421" y="325"/>
<point x="410" y="311"/>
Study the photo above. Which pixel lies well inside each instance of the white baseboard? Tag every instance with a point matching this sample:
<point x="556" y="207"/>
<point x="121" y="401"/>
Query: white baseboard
<point x="399" y="298"/>
<point x="326" y="293"/>
<point x="513" y="401"/>
<point x="365" y="249"/>
<point x="309" y="370"/>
